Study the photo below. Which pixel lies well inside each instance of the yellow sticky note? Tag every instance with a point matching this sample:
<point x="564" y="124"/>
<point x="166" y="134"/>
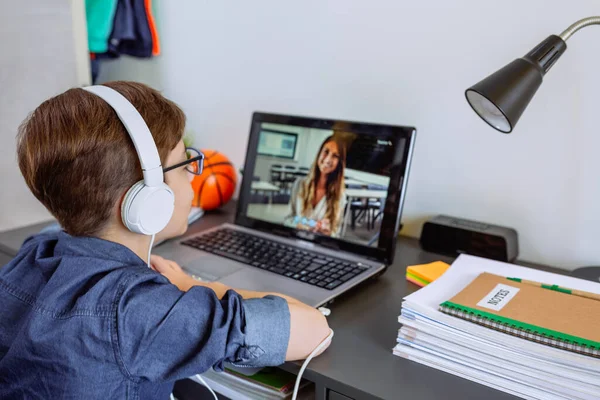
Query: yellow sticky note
<point x="428" y="272"/>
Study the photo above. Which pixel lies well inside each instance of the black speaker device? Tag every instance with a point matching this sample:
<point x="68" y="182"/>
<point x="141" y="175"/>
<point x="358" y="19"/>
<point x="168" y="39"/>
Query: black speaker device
<point x="453" y="236"/>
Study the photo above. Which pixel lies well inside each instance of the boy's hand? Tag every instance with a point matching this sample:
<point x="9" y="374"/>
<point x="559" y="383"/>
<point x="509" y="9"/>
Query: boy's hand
<point x="172" y="272"/>
<point x="179" y="278"/>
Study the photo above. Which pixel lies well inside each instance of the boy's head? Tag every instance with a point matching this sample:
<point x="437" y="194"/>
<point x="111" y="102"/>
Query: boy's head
<point x="79" y="161"/>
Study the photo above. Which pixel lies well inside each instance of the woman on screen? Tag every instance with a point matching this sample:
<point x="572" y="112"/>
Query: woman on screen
<point x="317" y="201"/>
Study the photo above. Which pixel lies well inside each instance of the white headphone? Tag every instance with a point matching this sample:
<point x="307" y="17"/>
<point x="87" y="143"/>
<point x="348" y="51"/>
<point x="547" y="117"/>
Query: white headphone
<point x="148" y="205"/>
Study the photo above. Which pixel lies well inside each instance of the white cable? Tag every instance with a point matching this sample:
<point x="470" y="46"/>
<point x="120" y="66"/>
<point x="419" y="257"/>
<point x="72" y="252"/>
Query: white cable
<point x="197" y="376"/>
<point x="325" y="311"/>
<point x="310" y="356"/>
<point x="298" y="379"/>
<point x="150" y="250"/>
<point x="206" y="384"/>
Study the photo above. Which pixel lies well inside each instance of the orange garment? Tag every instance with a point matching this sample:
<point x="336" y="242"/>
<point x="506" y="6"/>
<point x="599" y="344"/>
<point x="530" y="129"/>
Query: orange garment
<point x="152" y="26"/>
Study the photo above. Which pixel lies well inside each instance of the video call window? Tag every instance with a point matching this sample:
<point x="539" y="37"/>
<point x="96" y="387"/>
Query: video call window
<point x="331" y="183"/>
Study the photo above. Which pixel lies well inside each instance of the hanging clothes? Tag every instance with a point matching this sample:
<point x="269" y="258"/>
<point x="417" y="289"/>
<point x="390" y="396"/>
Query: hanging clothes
<point x="132" y="32"/>
<point x="153" y="30"/>
<point x="99" y="16"/>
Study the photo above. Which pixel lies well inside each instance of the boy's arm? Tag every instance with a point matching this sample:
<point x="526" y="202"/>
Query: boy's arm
<point x="160" y="333"/>
<point x="308" y="327"/>
<point x="173" y="272"/>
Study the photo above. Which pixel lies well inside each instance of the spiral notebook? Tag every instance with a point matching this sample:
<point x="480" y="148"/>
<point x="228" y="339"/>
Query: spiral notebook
<point x="549" y="317"/>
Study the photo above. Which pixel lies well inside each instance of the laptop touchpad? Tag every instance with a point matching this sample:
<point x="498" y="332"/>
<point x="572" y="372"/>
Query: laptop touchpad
<point x="211" y="268"/>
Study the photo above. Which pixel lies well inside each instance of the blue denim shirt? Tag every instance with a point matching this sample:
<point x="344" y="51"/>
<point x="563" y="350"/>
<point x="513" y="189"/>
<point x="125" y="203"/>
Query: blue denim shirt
<point x="85" y="318"/>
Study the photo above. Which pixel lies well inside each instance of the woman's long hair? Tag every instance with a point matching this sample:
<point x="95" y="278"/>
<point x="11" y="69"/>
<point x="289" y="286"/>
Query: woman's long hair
<point x="334" y="186"/>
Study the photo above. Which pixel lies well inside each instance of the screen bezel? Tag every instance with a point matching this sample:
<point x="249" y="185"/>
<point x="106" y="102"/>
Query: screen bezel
<point x="396" y="189"/>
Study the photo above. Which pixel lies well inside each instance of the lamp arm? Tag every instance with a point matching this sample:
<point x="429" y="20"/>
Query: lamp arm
<point x="582" y="23"/>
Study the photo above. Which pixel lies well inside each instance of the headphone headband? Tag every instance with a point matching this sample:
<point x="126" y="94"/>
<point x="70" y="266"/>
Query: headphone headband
<point x="138" y="132"/>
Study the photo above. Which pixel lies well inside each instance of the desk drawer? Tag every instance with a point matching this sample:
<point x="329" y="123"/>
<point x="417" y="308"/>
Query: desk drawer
<point x="331" y="395"/>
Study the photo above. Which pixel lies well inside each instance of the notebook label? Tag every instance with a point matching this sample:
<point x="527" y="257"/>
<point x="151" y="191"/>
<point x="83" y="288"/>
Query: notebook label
<point x="499" y="297"/>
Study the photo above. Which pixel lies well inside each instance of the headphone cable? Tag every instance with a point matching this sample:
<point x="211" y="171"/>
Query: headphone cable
<point x="150" y="249"/>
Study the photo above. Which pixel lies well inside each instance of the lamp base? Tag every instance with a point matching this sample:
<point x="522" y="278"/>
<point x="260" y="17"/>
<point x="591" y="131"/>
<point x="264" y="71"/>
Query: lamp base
<point x="588" y="273"/>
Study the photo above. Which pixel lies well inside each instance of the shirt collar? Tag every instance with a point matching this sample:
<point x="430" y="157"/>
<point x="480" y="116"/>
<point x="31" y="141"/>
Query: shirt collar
<point x="95" y="248"/>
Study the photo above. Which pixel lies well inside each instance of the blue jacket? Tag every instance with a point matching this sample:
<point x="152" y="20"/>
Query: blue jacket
<point x="85" y="318"/>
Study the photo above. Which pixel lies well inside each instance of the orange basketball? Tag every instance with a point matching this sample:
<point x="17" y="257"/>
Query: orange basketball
<point x="215" y="186"/>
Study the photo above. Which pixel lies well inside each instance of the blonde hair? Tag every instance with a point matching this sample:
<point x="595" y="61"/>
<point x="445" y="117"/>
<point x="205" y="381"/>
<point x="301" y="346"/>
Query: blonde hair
<point x="334" y="186"/>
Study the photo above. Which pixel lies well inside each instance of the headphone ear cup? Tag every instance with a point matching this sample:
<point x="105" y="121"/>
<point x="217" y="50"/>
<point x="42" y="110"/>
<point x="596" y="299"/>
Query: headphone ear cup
<point x="126" y="205"/>
<point x="147" y="210"/>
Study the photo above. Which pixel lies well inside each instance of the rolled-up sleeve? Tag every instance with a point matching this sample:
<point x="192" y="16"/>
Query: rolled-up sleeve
<point x="267" y="331"/>
<point x="163" y="334"/>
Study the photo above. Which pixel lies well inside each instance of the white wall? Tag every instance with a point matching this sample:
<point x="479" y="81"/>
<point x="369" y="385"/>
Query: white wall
<point x="42" y="54"/>
<point x="405" y="62"/>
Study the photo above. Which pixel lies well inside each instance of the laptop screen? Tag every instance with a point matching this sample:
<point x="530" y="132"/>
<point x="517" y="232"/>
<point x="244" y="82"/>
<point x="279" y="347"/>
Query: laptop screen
<point x="327" y="180"/>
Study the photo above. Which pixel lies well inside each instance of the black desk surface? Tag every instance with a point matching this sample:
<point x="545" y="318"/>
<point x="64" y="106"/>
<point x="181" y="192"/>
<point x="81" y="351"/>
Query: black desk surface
<point x="359" y="363"/>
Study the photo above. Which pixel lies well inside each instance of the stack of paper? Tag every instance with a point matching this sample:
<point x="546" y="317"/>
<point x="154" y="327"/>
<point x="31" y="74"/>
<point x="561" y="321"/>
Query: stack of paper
<point x="255" y="384"/>
<point x="517" y="366"/>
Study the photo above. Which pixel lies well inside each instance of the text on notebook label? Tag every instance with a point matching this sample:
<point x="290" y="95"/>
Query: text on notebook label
<point x="498" y="297"/>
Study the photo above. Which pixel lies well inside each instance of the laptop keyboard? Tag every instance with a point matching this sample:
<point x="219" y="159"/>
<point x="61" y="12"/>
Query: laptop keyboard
<point x="305" y="266"/>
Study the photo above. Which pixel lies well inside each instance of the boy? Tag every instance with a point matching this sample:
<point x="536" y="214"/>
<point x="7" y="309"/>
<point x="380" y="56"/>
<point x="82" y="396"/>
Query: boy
<point x="81" y="315"/>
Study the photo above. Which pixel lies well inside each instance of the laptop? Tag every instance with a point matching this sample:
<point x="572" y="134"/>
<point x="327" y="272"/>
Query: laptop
<point x="318" y="211"/>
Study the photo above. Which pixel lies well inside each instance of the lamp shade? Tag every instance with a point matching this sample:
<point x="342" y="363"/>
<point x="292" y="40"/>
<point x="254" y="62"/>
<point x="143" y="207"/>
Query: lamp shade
<point x="501" y="98"/>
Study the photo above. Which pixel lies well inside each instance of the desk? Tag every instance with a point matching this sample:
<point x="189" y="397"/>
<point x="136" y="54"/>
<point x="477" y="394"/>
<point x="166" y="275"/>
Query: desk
<point x="300" y="174"/>
<point x="350" y="181"/>
<point x="366" y="177"/>
<point x="262" y="186"/>
<point x="359" y="363"/>
<point x="4" y="259"/>
<point x="359" y="194"/>
<point x="266" y="187"/>
<point x="366" y="193"/>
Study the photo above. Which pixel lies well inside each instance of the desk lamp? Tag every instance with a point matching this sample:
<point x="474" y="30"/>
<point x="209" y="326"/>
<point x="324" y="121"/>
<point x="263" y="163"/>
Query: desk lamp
<point x="501" y="98"/>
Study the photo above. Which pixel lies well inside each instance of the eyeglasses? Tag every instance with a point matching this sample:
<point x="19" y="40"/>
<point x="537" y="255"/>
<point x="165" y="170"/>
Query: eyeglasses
<point x="194" y="164"/>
